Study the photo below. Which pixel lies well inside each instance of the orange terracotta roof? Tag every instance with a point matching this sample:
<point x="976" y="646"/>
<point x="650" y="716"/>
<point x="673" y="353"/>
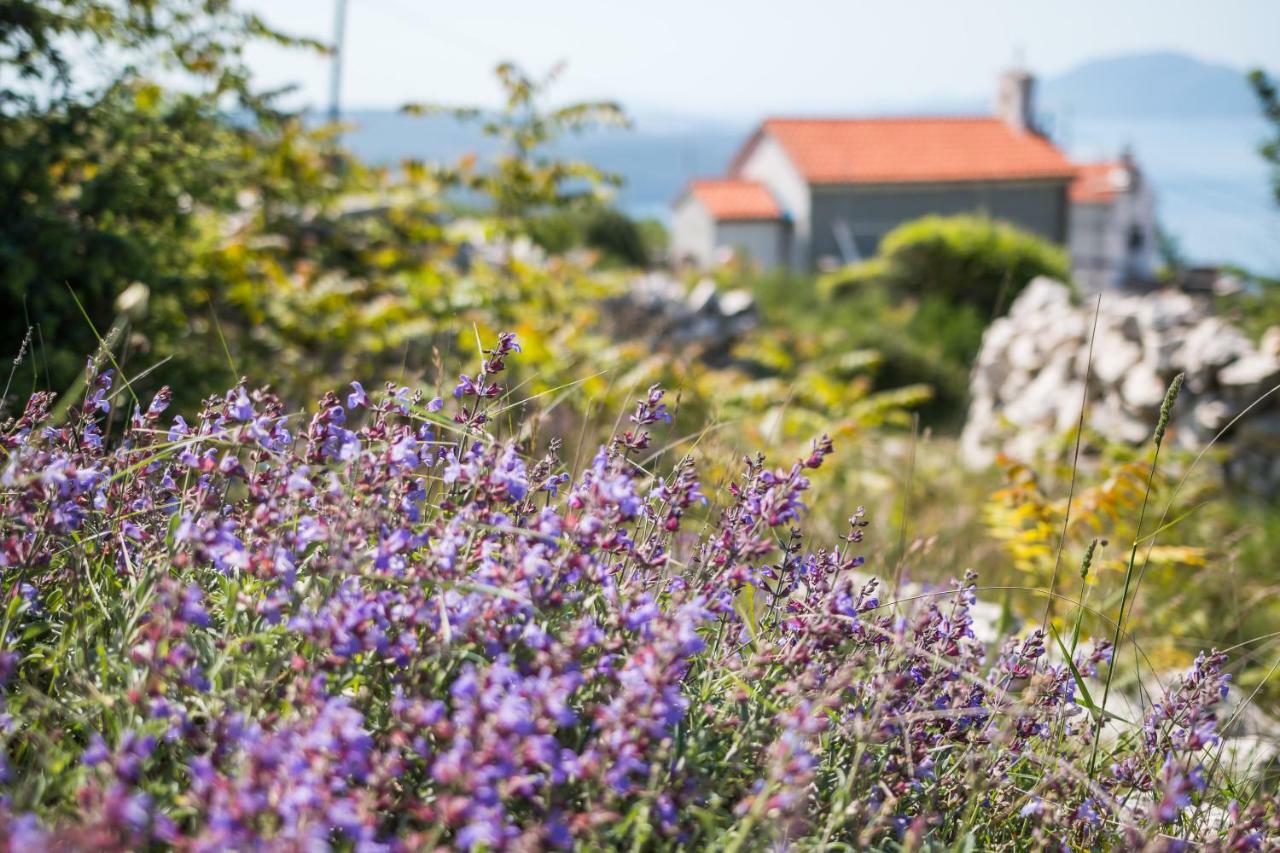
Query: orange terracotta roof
<point x="913" y="150"/>
<point x="727" y="198"/>
<point x="1099" y="182"/>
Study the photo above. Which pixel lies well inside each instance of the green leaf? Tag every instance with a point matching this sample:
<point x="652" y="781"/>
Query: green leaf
<point x="1085" y="697"/>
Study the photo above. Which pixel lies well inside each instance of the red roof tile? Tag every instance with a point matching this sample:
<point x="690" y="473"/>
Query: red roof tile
<point x="1099" y="182"/>
<point x="727" y="198"/>
<point x="913" y="150"/>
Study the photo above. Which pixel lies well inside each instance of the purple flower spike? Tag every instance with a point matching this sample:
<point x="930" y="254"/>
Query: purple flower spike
<point x="240" y="407"/>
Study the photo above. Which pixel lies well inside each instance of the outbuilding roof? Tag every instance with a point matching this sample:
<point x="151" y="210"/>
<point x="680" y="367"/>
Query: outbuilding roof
<point x="730" y="199"/>
<point x="1100" y="182"/>
<point x="911" y="150"/>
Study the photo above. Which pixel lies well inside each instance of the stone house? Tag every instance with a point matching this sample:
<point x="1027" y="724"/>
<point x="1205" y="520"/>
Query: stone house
<point x="825" y="191"/>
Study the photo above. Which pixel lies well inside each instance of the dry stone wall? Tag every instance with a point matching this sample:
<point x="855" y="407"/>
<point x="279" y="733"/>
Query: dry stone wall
<point x="1029" y="377"/>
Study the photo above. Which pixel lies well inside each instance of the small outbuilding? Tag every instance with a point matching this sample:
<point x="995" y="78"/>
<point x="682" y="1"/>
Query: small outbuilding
<point x="1113" y="226"/>
<point x="714" y="219"/>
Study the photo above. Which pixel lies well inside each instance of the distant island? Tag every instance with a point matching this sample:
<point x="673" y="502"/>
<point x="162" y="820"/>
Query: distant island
<point x="1150" y="85"/>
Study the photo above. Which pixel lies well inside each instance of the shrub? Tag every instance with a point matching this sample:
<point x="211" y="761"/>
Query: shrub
<point x="389" y="625"/>
<point x="1255" y="308"/>
<point x="927" y="296"/>
<point x="913" y="351"/>
<point x="966" y="260"/>
<point x="108" y="179"/>
<point x="619" y="238"/>
<point x="153" y="164"/>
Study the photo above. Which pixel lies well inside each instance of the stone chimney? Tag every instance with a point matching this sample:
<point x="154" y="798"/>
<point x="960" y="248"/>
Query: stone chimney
<point x="1015" y="100"/>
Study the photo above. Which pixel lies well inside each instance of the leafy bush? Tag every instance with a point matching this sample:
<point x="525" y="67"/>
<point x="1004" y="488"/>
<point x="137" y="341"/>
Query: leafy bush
<point x="911" y="352"/>
<point x="620" y="239"/>
<point x="1256" y="308"/>
<point x="385" y="624"/>
<point x="1269" y="99"/>
<point x="108" y="179"/>
<point x="523" y="180"/>
<point x="926" y="298"/>
<point x="965" y="260"/>
<point x="618" y="236"/>
<point x="242" y="237"/>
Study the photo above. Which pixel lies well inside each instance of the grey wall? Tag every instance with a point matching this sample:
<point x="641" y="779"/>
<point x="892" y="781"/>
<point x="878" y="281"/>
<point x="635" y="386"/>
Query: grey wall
<point x="868" y="213"/>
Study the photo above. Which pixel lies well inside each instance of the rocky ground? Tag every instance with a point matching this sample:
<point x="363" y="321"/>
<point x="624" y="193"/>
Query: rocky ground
<point x="1029" y="378"/>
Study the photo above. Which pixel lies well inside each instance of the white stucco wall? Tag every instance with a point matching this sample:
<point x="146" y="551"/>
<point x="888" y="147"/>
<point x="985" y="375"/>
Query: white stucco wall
<point x="763" y="241"/>
<point x="1091" y="244"/>
<point x="1102" y="239"/>
<point x="768" y="163"/>
<point x="693" y="233"/>
<point x="1137" y="209"/>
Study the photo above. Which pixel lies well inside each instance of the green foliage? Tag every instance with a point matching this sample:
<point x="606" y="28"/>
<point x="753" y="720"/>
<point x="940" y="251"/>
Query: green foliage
<point x="1198" y="579"/>
<point x="1255" y="308"/>
<point x="619" y="239"/>
<point x="966" y="260"/>
<point x="106" y="178"/>
<point x="524" y="179"/>
<point x="246" y="241"/>
<point x="912" y="351"/>
<point x="558" y="232"/>
<point x="617" y="235"/>
<point x="1269" y="98"/>
<point x="655" y="238"/>
<point x="925" y="299"/>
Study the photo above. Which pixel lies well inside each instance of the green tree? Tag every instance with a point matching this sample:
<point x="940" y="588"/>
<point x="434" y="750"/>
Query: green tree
<point x="526" y="178"/>
<point x="1269" y="97"/>
<point x="107" y="178"/>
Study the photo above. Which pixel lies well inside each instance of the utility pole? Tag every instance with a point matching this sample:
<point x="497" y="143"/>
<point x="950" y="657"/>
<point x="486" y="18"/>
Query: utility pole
<point x="335" y="67"/>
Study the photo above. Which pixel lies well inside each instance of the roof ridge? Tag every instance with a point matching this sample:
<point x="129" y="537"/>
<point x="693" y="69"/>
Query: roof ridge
<point x="899" y="149"/>
<point x="725" y="179"/>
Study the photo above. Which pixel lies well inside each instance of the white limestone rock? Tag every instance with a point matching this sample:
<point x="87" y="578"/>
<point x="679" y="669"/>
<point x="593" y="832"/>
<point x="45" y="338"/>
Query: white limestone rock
<point x="1113" y="355"/>
<point x="1042" y="295"/>
<point x="1211" y="415"/>
<point x="1270" y="343"/>
<point x="1253" y="371"/>
<point x="1210" y="345"/>
<point x="1029" y="378"/>
<point x="1142" y="387"/>
<point x="736" y="302"/>
<point x="1024" y="353"/>
<point x="1166" y="309"/>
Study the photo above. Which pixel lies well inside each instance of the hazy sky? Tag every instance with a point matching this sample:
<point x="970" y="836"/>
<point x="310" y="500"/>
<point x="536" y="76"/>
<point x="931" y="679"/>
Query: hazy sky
<point x="741" y="58"/>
